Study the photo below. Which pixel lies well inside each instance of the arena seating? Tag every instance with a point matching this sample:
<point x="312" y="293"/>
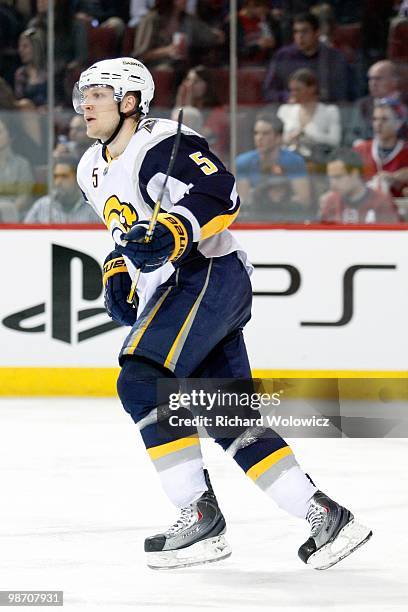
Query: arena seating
<point x="397" y="49"/>
<point x="101" y="43"/>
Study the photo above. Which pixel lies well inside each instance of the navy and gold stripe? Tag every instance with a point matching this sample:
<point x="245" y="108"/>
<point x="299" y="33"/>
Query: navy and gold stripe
<point x="218" y="224"/>
<point x="257" y="470"/>
<point x="210" y="191"/>
<point x="143" y="324"/>
<point x="266" y="445"/>
<point x="177" y="346"/>
<point x="154" y="337"/>
<point x="266" y="459"/>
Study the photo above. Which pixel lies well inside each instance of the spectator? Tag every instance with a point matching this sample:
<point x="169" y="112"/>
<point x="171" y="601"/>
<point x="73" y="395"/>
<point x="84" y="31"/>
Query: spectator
<point x="24" y="8"/>
<point x="382" y="83"/>
<point x="70" y="43"/>
<point x="273" y="201"/>
<point x="310" y="127"/>
<point x="137" y="10"/>
<point x="11" y="26"/>
<point x="269" y="160"/>
<point x="213" y="12"/>
<point x="198" y="90"/>
<point x="258" y="33"/>
<point x="104" y="13"/>
<point x="327" y="22"/>
<point x="385" y="157"/>
<point x="7" y="99"/>
<point x="169" y="37"/>
<point x="25" y="123"/>
<point x="327" y="63"/>
<point x="30" y="80"/>
<point x="16" y="179"/>
<point x="66" y="204"/>
<point x="375" y="20"/>
<point x="77" y="142"/>
<point x="403" y="9"/>
<point x="350" y="200"/>
<point x="192" y="118"/>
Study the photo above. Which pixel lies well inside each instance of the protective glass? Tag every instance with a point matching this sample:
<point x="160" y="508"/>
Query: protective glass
<point x="90" y="95"/>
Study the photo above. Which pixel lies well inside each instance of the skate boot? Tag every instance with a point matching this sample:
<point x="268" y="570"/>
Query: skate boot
<point x="334" y="535"/>
<point x="196" y="537"/>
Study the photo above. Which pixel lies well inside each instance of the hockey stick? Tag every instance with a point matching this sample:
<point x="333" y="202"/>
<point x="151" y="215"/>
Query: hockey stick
<point x="156" y="209"/>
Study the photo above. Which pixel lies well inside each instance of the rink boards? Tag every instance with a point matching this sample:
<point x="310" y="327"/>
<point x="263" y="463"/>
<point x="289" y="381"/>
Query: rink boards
<point x="327" y="303"/>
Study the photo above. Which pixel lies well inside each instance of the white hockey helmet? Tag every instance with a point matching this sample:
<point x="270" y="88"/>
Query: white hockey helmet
<point x="123" y="74"/>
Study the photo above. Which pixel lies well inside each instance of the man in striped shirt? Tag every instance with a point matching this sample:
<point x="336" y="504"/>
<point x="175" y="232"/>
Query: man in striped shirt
<point x="66" y="203"/>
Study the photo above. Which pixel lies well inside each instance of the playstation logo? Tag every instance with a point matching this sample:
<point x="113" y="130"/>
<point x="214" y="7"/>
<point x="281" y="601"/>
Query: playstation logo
<point x="63" y="316"/>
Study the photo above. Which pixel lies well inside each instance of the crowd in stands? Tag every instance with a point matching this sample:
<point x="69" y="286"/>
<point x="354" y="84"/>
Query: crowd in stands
<point x="322" y="89"/>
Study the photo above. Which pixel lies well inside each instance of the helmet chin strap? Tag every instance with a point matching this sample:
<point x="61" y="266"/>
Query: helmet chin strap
<point x="122" y="117"/>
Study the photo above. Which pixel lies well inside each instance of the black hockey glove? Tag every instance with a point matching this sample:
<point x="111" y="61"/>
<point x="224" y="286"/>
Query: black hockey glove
<point x="117" y="283"/>
<point x="171" y="241"/>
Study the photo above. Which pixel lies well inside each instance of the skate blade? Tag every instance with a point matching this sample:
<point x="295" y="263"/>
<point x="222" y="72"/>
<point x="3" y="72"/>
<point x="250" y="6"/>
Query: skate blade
<point x="352" y="536"/>
<point x="205" y="551"/>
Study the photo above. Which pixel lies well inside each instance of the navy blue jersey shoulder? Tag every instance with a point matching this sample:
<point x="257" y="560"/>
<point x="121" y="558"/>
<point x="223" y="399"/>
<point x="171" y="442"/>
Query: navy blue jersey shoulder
<point x="211" y="187"/>
<point x="184" y="169"/>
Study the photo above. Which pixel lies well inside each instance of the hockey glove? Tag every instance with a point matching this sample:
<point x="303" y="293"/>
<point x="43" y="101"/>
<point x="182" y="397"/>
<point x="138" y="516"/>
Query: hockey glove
<point x="117" y="283"/>
<point x="171" y="241"/>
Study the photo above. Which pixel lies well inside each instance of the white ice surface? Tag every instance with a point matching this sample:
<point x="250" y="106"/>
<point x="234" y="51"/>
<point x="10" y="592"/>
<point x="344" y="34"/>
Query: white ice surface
<point x="78" y="495"/>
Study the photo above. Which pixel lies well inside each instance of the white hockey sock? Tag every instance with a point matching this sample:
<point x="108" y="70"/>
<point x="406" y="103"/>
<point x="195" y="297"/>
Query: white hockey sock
<point x="184" y="483"/>
<point x="292" y="492"/>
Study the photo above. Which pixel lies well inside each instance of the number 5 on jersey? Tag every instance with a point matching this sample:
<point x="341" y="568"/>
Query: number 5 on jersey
<point x="206" y="165"/>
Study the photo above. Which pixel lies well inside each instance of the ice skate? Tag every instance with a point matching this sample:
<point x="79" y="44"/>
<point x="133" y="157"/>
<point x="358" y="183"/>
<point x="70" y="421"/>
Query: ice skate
<point x="196" y="537"/>
<point x="335" y="534"/>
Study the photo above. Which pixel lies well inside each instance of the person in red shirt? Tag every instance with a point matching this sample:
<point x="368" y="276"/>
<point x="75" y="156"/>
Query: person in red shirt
<point x="385" y="157"/>
<point x="199" y="90"/>
<point x="350" y="199"/>
<point x="257" y="35"/>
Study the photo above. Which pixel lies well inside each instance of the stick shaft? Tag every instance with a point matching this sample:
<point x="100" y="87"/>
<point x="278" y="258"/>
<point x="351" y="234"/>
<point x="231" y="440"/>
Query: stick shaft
<point x="157" y="206"/>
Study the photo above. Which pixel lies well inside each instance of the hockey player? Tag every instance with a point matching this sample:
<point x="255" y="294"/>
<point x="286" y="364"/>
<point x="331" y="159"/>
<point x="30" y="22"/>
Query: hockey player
<point x="194" y="298"/>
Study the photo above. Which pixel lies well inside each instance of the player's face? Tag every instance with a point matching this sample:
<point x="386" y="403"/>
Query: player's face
<point x="100" y="112"/>
<point x="340" y="179"/>
<point x="265" y="137"/>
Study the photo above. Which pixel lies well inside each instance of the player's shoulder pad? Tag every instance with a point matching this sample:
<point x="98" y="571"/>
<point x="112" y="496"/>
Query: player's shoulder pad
<point x="163" y="128"/>
<point x="153" y="138"/>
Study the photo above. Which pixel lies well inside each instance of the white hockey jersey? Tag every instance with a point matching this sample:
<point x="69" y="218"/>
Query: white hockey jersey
<point x="123" y="190"/>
